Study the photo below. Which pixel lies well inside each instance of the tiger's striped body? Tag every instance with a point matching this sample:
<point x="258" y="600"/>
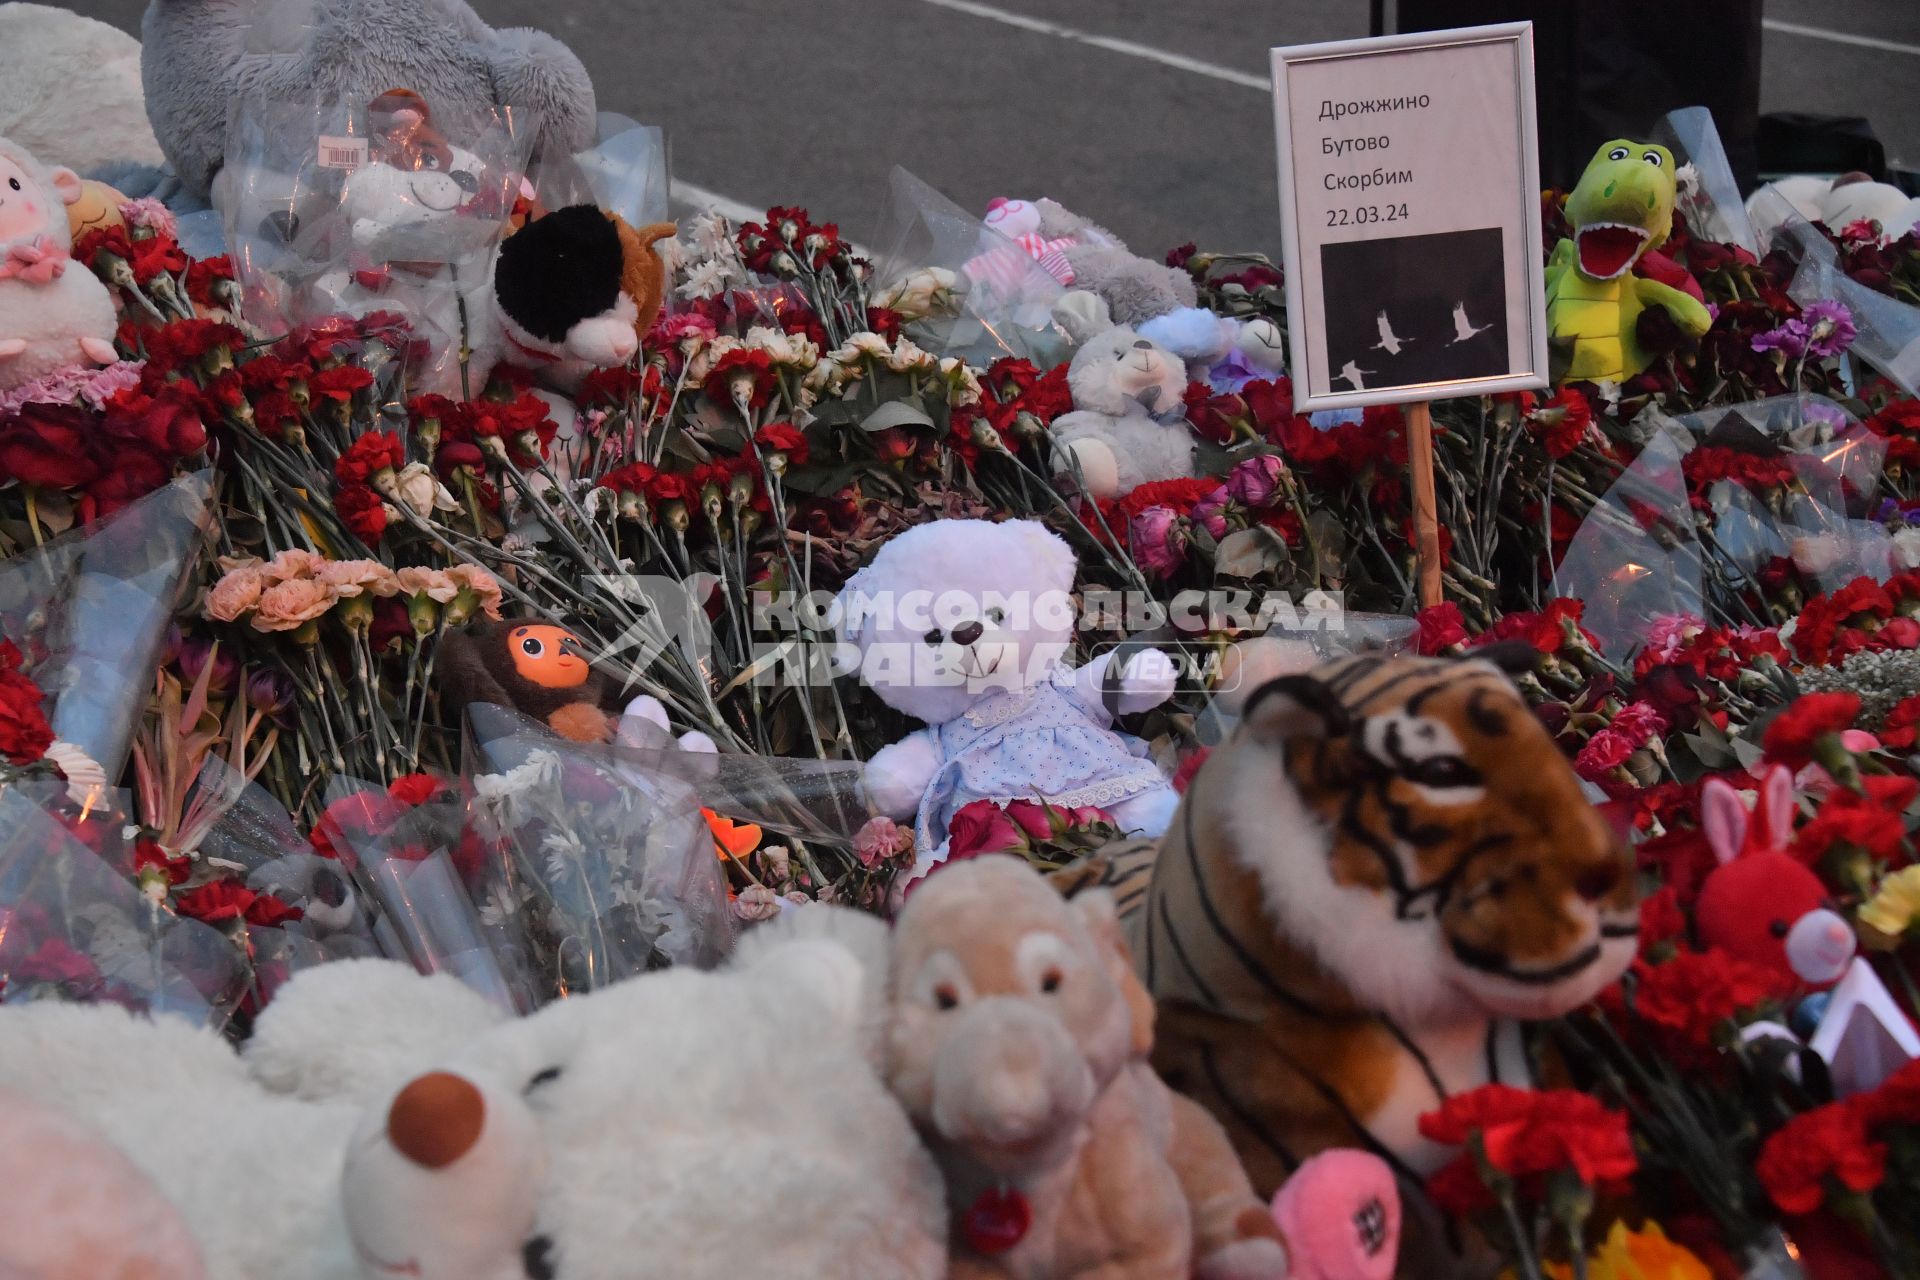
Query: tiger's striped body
<point x="1352" y="900"/>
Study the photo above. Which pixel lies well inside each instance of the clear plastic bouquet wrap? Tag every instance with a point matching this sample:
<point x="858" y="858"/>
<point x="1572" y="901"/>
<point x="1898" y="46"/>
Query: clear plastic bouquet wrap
<point x="623" y="172"/>
<point x="403" y="847"/>
<point x="89" y="611"/>
<point x="1710" y="195"/>
<point x="968" y="290"/>
<point x="72" y="927"/>
<point x="390" y="207"/>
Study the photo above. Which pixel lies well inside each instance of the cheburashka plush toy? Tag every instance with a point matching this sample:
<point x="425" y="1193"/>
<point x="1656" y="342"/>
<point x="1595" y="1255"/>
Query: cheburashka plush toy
<point x="966" y="624"/>
<point x="1129" y="420"/>
<point x="1621" y="209"/>
<point x="54" y="313"/>
<point x="545" y="672"/>
<point x="200" y="57"/>
<point x="398" y="1127"/>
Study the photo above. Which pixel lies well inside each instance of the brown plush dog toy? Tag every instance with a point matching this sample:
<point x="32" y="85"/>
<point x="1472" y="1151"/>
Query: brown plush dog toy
<point x="1017" y="1041"/>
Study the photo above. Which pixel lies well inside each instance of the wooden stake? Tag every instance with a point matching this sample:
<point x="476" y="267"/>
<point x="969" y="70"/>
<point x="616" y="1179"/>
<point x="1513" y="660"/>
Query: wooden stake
<point x="1426" y="507"/>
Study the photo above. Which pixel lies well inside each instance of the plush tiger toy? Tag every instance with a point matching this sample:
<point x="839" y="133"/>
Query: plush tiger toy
<point x="1385" y="864"/>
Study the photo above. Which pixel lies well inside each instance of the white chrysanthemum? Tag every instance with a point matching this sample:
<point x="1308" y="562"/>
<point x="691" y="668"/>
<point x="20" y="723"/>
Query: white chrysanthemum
<point x="507" y="799"/>
<point x="1906" y="549"/>
<point x="710" y="235"/>
<point x="705" y="279"/>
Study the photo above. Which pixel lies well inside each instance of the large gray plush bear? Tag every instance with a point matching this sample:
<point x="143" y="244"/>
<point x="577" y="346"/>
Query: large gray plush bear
<point x="199" y="56"/>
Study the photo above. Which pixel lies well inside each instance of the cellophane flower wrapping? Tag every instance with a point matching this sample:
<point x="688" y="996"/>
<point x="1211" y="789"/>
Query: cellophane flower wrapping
<point x="89" y="611"/>
<point x="72" y="927"/>
<point x="593" y="865"/>
<point x="392" y="207"/>
<point x="417" y="907"/>
<point x="1709" y="195"/>
<point x="966" y="289"/>
<point x="624" y="172"/>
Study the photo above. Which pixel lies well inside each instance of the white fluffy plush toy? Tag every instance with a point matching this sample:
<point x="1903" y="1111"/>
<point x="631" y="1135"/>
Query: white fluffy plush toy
<point x="54" y="314"/>
<point x="1847" y="199"/>
<point x="636" y="1131"/>
<point x="966" y="624"/>
<point x="1128" y="424"/>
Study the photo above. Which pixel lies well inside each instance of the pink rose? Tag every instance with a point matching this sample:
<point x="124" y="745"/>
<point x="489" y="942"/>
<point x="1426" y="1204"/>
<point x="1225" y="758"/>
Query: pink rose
<point x="981" y="827"/>
<point x="1159" y="547"/>
<point x="1033" y="818"/>
<point x="1254" y="480"/>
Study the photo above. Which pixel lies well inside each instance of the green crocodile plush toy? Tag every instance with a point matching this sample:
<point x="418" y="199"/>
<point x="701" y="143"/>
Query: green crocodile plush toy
<point x="1622" y="207"/>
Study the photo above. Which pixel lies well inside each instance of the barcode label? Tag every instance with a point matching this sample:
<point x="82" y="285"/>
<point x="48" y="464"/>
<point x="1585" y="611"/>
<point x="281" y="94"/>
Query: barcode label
<point x="342" y="153"/>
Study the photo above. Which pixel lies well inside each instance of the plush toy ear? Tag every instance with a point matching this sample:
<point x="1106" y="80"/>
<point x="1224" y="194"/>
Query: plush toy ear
<point x="1101" y="916"/>
<point x="855" y="614"/>
<point x="1296" y="706"/>
<point x="1082" y="315"/>
<point x="1776" y="806"/>
<point x="1049" y="552"/>
<point x="67" y="183"/>
<point x="1724" y="817"/>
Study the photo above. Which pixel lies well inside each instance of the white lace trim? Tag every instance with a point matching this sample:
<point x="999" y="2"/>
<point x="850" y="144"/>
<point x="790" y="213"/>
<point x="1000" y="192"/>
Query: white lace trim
<point x="1097" y="793"/>
<point x="1001" y="709"/>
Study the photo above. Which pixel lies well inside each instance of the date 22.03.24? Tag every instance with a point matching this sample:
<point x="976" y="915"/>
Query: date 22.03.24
<point x="1366" y="215"/>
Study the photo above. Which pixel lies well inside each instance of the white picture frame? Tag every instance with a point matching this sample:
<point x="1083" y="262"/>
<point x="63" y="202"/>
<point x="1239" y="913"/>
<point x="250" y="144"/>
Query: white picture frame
<point x="1314" y="68"/>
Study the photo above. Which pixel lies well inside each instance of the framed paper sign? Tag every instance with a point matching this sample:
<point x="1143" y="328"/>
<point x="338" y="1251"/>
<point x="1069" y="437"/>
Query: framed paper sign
<point x="1410" y="207"/>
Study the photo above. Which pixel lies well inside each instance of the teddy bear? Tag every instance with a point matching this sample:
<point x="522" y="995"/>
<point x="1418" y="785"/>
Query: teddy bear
<point x="1128" y="424"/>
<point x="966" y="625"/>
<point x="1017" y="1040"/>
<point x="199" y="57"/>
<point x="46" y="53"/>
<point x="1839" y="203"/>
<point x="543" y="671"/>
<point x="396" y="1129"/>
<point x="54" y="313"/>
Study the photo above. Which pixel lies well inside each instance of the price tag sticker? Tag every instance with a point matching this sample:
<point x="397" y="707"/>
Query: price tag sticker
<point x="342" y="152"/>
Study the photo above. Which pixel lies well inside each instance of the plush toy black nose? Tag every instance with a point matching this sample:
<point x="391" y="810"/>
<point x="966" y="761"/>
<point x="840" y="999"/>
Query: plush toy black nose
<point x="967" y="632"/>
<point x="329" y="887"/>
<point x="465" y="181"/>
<point x="1143" y="345"/>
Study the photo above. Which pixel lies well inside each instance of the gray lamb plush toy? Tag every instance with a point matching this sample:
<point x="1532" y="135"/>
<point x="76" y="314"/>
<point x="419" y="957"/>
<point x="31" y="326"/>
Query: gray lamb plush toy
<point x="1128" y="424"/>
<point x="199" y="56"/>
<point x="1134" y="289"/>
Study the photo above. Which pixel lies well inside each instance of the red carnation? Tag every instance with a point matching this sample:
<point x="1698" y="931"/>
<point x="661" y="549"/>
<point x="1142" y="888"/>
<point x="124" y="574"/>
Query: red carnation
<point x="1691" y="997"/>
<point x="269" y="912"/>
<point x="1441" y="628"/>
<point x="783" y="437"/>
<point x="45" y="446"/>
<point x="1527" y="1134"/>
<point x="372" y="453"/>
<point x="1793" y="735"/>
<point x="361" y="510"/>
<point x="416" y="788"/>
<point x="1796" y="1161"/>
<point x="24" y="733"/>
<point x="216" y="901"/>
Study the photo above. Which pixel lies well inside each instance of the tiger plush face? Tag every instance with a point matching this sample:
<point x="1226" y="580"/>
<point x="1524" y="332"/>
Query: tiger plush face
<point x="1414" y="828"/>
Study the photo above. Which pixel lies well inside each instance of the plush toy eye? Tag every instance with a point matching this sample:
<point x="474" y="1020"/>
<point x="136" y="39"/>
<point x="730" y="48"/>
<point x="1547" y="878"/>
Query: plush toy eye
<point x="996" y="616"/>
<point x="429" y="161"/>
<point x="1443" y="771"/>
<point x="536" y="1259"/>
<point x="1779" y="929"/>
<point x="1652" y="158"/>
<point x="1050" y="981"/>
<point x="933" y="638"/>
<point x="1618" y="153"/>
<point x="14" y="183"/>
<point x="532" y="647"/>
<point x="945" y="997"/>
<point x="547" y="1076"/>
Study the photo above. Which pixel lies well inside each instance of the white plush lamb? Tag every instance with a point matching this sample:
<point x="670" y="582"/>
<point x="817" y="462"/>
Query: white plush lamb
<point x="966" y="625"/>
<point x="706" y="1126"/>
<point x="1128" y="424"/>
<point x="54" y="313"/>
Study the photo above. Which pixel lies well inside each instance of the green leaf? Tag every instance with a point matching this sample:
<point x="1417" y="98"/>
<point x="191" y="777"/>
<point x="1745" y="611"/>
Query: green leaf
<point x="896" y="413"/>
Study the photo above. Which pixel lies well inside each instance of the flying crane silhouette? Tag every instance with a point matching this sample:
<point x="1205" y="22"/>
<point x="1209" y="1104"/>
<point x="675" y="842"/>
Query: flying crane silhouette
<point x="1463" y="328"/>
<point x="1352" y="372"/>
<point x="1389" y="342"/>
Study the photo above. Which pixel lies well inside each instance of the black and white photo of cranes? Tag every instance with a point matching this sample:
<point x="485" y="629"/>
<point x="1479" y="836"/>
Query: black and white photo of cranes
<point x="1412" y="310"/>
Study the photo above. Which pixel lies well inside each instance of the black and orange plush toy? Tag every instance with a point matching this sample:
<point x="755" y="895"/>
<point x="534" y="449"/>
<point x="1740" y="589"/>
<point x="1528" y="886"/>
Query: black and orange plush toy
<point x="534" y="667"/>
<point x="544" y="671"/>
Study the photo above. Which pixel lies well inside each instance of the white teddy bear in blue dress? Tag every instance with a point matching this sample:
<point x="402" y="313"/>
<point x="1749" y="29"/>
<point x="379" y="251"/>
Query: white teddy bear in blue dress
<point x="966" y="624"/>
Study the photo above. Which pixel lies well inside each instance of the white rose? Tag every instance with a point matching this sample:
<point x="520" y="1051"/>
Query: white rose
<point x="420" y="489"/>
<point x="920" y="293"/>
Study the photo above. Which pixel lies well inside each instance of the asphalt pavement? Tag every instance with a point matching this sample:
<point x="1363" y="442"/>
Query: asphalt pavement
<point x="1151" y="116"/>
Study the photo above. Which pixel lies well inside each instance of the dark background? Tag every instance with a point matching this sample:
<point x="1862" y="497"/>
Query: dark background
<point x="813" y="101"/>
<point x="1416" y="280"/>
